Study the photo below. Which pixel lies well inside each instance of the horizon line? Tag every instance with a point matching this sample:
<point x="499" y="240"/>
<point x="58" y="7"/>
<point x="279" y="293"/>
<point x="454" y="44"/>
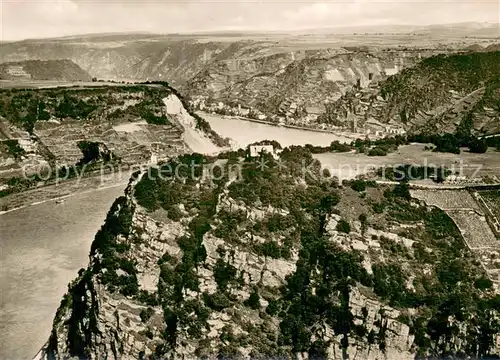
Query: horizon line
<point x="247" y="30"/>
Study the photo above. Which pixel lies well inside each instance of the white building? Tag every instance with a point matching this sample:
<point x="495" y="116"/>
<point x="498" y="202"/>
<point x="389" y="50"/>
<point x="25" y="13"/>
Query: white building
<point x="392" y="70"/>
<point x="395" y="130"/>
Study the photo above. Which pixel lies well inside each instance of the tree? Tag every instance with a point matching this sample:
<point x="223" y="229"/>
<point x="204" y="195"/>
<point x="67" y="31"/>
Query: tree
<point x="358" y="185"/>
<point x="343" y="226"/>
<point x="402" y="190"/>
<point x="364" y="222"/>
<point x="478" y="146"/>
<point x="253" y="301"/>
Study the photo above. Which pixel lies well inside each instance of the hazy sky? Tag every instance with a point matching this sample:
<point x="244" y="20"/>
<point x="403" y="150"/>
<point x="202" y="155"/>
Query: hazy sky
<point x="22" y="19"/>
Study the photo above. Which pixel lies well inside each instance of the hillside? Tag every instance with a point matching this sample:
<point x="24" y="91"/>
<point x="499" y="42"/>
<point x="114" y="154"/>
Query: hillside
<point x="47" y="134"/>
<point x="64" y="70"/>
<point x="294" y="85"/>
<point x="437" y="95"/>
<point x="265" y="263"/>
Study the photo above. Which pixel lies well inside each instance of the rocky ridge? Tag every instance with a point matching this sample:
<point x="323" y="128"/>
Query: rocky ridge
<point x="201" y="268"/>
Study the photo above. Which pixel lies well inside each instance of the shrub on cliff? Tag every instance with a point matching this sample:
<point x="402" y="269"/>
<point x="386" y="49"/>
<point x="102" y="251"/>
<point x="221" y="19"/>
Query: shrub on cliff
<point x="343" y="226"/>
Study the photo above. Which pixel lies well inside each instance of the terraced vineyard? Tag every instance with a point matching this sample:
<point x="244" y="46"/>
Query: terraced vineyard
<point x="492" y="200"/>
<point x="474" y="229"/>
<point x="472" y="222"/>
<point x="133" y="146"/>
<point x="447" y="199"/>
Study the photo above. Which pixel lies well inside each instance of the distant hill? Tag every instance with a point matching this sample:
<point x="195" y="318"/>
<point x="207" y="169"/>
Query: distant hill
<point x="65" y="70"/>
<point x="178" y="58"/>
<point x="440" y="94"/>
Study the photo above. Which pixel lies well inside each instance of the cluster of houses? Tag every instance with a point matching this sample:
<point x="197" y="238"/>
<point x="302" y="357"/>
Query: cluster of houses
<point x="221" y="108"/>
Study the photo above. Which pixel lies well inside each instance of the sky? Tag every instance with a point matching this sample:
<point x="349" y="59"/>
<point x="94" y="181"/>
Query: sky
<point x="21" y="19"/>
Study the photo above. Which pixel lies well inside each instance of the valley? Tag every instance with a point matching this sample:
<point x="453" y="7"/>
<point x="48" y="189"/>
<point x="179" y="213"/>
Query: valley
<point x="286" y="231"/>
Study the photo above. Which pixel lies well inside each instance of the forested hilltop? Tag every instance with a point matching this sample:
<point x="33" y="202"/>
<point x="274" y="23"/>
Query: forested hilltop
<point x="264" y="261"/>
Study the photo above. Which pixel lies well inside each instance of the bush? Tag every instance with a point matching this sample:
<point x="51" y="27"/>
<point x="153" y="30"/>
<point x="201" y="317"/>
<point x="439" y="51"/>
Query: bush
<point x="13" y="148"/>
<point x="224" y="273"/>
<point x="402" y="190"/>
<point x="217" y="301"/>
<point x="146" y="193"/>
<point x="253" y="301"/>
<point x="343" y="226"/>
<point x="358" y="185"/>
<point x="146" y="314"/>
<point x="270" y="249"/>
<point x="378" y="151"/>
<point x="273" y="307"/>
<point x="478" y="146"/>
<point x="339" y="147"/>
<point x="174" y="213"/>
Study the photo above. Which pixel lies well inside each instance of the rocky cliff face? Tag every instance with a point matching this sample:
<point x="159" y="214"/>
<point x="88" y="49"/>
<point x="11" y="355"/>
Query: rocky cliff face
<point x="126" y="57"/>
<point x="262" y="262"/>
<point x="296" y="83"/>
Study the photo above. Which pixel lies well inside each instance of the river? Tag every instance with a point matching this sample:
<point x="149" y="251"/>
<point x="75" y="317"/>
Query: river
<point x="246" y="132"/>
<point x="43" y="247"/>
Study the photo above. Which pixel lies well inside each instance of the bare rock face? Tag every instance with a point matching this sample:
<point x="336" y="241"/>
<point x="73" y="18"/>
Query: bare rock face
<point x="185" y="269"/>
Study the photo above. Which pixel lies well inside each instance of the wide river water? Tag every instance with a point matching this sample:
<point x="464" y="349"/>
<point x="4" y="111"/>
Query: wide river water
<point x="42" y="248"/>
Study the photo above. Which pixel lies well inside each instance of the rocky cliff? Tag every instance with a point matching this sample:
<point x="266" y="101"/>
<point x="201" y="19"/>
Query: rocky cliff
<point x="264" y="261"/>
<point x="125" y="57"/>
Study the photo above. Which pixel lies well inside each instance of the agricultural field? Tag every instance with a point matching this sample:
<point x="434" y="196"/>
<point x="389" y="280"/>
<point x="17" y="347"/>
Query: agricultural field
<point x="475" y="229"/>
<point x="447" y="199"/>
<point x="474" y="166"/>
<point x="472" y="222"/>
